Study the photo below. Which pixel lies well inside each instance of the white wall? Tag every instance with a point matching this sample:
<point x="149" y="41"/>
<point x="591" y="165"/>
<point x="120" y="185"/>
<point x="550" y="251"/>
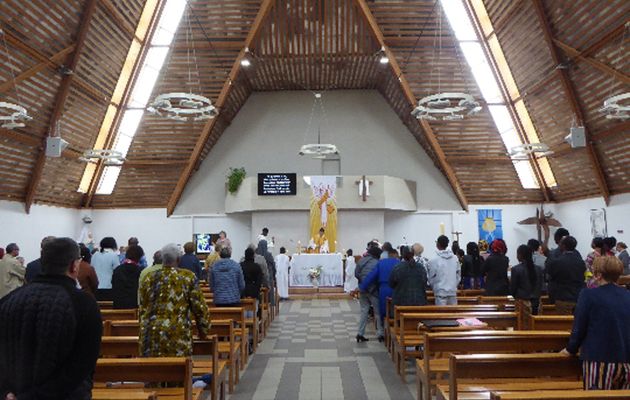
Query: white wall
<point x="268" y="131"/>
<point x="575" y="217"/>
<point x="151" y="226"/>
<point x="27" y="230"/>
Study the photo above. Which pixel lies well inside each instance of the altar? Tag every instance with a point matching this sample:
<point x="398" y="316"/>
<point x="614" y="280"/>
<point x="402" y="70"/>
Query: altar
<point x="331" y="274"/>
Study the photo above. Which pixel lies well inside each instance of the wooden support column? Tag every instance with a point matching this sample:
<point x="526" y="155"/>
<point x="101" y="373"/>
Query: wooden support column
<point x="60" y="100"/>
<point x="573" y="100"/>
<point x="411" y="99"/>
<point x="265" y="7"/>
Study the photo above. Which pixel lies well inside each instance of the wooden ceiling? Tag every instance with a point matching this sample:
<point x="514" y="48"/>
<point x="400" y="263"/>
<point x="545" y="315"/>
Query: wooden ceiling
<point x="314" y="45"/>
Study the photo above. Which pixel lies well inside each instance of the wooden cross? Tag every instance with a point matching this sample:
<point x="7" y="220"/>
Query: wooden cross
<point x="364" y="187"/>
<point x="456" y="233"/>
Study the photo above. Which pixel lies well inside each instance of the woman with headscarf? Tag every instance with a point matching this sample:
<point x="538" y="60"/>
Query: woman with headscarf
<point x="495" y="270"/>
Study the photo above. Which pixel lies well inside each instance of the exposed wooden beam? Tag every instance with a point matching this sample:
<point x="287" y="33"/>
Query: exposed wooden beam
<point x="622" y="127"/>
<point x="20" y="137"/>
<point x="570" y="51"/>
<point x="117" y="16"/>
<point x="60" y="99"/>
<point x="265" y="7"/>
<point x="376" y="32"/>
<point x="573" y="100"/>
<point x="604" y="40"/>
<point x="56" y="58"/>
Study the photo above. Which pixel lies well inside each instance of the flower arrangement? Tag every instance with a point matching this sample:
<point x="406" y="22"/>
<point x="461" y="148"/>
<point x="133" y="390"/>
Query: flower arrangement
<point x="314" y="274"/>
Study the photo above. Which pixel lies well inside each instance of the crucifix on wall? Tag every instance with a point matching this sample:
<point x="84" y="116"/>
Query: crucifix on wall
<point x="457" y="233"/>
<point x="364" y="187"/>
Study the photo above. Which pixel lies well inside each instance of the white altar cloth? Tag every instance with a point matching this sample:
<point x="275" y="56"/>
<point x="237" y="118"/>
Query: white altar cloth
<point x="332" y="269"/>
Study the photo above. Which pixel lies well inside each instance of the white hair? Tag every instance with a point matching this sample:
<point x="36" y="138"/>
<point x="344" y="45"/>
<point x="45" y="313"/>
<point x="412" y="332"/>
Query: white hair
<point x="170" y="254"/>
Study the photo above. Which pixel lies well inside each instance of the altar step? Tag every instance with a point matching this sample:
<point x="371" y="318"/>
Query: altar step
<point x="325" y="292"/>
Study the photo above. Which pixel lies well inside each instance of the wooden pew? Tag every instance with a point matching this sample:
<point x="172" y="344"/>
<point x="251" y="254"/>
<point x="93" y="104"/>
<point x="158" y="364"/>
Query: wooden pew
<point x="105" y="304"/>
<point x="236" y="314"/>
<point x="398" y="310"/>
<point x="253" y="323"/>
<point x="551" y="322"/>
<point x="439" y="345"/>
<point x="122" y="394"/>
<point x="127" y="346"/>
<point x="150" y="369"/>
<point x="564" y="395"/>
<point x="119" y="314"/>
<point x="516" y="372"/>
<point x="411" y="333"/>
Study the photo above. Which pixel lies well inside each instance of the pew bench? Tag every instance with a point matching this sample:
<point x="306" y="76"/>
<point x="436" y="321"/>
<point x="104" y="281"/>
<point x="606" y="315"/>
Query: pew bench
<point x="411" y="331"/>
<point x="119" y="314"/>
<point x="150" y="370"/>
<point x="574" y="394"/>
<point x="128" y="346"/>
<point x="523" y="371"/>
<point x="236" y="314"/>
<point x="440" y="345"/>
<point x="551" y="322"/>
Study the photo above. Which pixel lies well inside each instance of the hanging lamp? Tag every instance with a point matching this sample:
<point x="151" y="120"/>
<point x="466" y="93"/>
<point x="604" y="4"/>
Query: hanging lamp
<point x="444" y="106"/>
<point x="12" y="115"/>
<point x="185" y="105"/>
<point x="317" y="150"/>
<point x="618" y="106"/>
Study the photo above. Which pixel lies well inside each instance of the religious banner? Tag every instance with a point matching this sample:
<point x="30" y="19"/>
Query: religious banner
<point x="490" y="225"/>
<point x="323" y="220"/>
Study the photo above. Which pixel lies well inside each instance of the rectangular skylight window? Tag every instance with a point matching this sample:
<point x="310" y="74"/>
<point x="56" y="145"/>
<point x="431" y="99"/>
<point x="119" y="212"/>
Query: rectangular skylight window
<point x="108" y="180"/>
<point x="459" y="20"/>
<point x="143" y="88"/>
<point x="471" y="46"/>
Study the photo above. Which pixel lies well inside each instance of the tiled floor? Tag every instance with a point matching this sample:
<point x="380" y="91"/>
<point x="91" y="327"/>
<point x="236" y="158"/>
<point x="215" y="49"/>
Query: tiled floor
<point x="311" y="354"/>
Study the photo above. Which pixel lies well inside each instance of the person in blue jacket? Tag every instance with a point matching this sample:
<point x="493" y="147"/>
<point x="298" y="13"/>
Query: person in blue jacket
<point x="601" y="329"/>
<point x="380" y="274"/>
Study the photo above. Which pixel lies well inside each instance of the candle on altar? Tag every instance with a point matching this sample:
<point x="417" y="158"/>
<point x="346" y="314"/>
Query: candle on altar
<point x="441" y="228"/>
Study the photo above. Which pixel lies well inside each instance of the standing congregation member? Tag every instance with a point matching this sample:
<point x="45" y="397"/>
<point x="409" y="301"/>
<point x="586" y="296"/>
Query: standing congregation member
<point x="526" y="284"/>
<point x="265" y="236"/>
<point x="622" y="249"/>
<point x="495" y="270"/>
<point x="380" y="275"/>
<point x="227" y="281"/>
<point x="170" y="299"/>
<point x="223" y="241"/>
<point x="351" y="284"/>
<point x="104" y="263"/>
<point x="566" y="276"/>
<point x="599" y="250"/>
<point x="270" y="265"/>
<point x="539" y="258"/>
<point x="471" y="267"/>
<point x="87" y="275"/>
<point x="133" y="241"/>
<point x="418" y="249"/>
<point x="252" y="273"/>
<point x="12" y="272"/>
<point x="35" y="267"/>
<point x="126" y="279"/>
<point x="282" y="273"/>
<point x="211" y="259"/>
<point x="368" y="295"/>
<point x="558" y="235"/>
<point x="601" y="329"/>
<point x="409" y="281"/>
<point x="444" y="274"/>
<point x="190" y="261"/>
<point x="50" y="331"/>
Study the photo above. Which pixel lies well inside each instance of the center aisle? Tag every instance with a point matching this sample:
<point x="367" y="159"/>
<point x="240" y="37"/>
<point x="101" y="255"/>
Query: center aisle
<point x="310" y="353"/>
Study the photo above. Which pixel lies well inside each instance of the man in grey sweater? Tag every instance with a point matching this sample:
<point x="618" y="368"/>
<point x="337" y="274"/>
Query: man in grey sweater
<point x="444" y="273"/>
<point x="370" y="296"/>
<point x="227" y="280"/>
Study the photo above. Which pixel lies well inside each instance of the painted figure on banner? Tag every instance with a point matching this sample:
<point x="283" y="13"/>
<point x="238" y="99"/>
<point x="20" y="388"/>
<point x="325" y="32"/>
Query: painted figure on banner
<point x="324" y="212"/>
<point x="490" y="225"/>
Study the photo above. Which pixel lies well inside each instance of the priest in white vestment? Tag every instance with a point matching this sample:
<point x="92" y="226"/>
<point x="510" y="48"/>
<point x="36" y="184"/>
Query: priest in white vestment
<point x="282" y="273"/>
<point x="351" y="283"/>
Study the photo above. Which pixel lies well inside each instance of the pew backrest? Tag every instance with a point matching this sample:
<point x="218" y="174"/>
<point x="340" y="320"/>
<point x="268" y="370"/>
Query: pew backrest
<point x="551" y="322"/>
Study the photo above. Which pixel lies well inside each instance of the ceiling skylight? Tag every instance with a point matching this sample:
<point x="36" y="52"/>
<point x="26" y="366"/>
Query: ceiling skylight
<point x="143" y="87"/>
<point x="487" y="82"/>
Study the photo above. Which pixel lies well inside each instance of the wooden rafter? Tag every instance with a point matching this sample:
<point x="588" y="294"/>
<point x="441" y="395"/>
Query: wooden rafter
<point x="54" y="59"/>
<point x="411" y="99"/>
<point x="570" y="51"/>
<point x="53" y="65"/>
<point x="573" y="100"/>
<point x="60" y="99"/>
<point x="265" y="7"/>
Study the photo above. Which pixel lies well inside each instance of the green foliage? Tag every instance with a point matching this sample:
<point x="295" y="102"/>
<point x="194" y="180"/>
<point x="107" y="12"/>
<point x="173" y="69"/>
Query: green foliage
<point x="235" y="177"/>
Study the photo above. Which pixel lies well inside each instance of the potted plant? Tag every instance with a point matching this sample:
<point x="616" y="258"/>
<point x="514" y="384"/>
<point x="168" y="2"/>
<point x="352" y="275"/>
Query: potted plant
<point x="235" y="177"/>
